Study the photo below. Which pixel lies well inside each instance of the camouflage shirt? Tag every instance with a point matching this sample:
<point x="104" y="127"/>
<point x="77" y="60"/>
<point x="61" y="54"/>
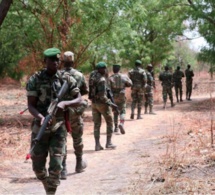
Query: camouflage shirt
<point x="150" y="79"/>
<point x="118" y="82"/>
<point x="46" y="88"/>
<point x="138" y="77"/>
<point x="79" y="77"/>
<point x="177" y="76"/>
<point x="189" y="74"/>
<point x="98" y="88"/>
<point x="166" y="78"/>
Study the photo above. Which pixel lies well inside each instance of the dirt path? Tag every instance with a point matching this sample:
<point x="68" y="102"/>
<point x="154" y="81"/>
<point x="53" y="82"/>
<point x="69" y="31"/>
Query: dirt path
<point x="109" y="171"/>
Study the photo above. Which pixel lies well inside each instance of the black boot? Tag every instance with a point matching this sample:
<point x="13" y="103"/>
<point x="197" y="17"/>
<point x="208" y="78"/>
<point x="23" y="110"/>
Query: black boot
<point x="80" y="164"/>
<point x="116" y="129"/>
<point x="139" y="114"/>
<point x="181" y="97"/>
<point x="49" y="190"/>
<point x="151" y="110"/>
<point x="63" y="174"/>
<point x="146" y="110"/>
<point x="109" y="143"/>
<point x="121" y="127"/>
<point x="98" y="145"/>
<point x="164" y="105"/>
<point x="172" y="104"/>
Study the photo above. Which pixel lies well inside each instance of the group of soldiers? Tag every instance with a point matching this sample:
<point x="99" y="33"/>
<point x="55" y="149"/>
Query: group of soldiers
<point x="170" y="80"/>
<point x="107" y="96"/>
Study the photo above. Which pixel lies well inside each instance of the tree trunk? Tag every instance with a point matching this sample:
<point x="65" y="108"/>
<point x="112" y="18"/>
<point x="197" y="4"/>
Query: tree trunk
<point x="4" y="7"/>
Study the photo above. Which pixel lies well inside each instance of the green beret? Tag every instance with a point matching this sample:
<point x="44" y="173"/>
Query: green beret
<point x="116" y="64"/>
<point x="101" y="65"/>
<point x="138" y="62"/>
<point x="52" y="52"/>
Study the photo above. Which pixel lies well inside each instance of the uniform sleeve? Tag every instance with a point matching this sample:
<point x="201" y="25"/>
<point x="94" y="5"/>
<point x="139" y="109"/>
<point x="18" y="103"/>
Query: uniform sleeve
<point x="31" y="87"/>
<point x="83" y="88"/>
<point x="73" y="89"/>
<point x="128" y="82"/>
<point x="144" y="77"/>
<point x="160" y="77"/>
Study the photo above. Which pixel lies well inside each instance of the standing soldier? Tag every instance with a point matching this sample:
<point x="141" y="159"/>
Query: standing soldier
<point x="139" y="80"/>
<point x="118" y="82"/>
<point x="42" y="89"/>
<point x="167" y="83"/>
<point x="189" y="81"/>
<point x="101" y="105"/>
<point x="177" y="77"/>
<point x="75" y="114"/>
<point x="149" y="90"/>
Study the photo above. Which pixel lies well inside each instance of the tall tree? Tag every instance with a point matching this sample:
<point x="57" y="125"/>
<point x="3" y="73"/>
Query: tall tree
<point x="4" y="7"/>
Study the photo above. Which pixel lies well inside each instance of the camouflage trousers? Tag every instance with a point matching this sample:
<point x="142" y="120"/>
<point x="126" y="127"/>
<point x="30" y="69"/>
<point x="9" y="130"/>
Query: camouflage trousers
<point x="178" y="89"/>
<point x="189" y="85"/>
<point x="167" y="91"/>
<point x="99" y="110"/>
<point x="149" y="96"/>
<point x="137" y="98"/>
<point x="120" y="101"/>
<point x="52" y="144"/>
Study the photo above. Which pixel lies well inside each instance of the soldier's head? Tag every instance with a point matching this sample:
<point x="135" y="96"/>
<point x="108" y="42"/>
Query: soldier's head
<point x="102" y="68"/>
<point x="178" y="67"/>
<point x="68" y="59"/>
<point x="166" y="68"/>
<point x="188" y="66"/>
<point x="138" y="63"/>
<point x="116" y="68"/>
<point x="52" y="59"/>
<point x="149" y="67"/>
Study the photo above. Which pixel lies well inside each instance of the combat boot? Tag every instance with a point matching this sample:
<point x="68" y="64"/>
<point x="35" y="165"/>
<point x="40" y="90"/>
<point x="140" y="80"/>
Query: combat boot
<point x="49" y="190"/>
<point x="109" y="143"/>
<point x="121" y="127"/>
<point x="151" y="110"/>
<point x="164" y="105"/>
<point x="63" y="174"/>
<point x="139" y="114"/>
<point x="132" y="116"/>
<point x="172" y="104"/>
<point x="146" y="110"/>
<point x="116" y="129"/>
<point x="181" y="97"/>
<point x="80" y="164"/>
<point x="98" y="145"/>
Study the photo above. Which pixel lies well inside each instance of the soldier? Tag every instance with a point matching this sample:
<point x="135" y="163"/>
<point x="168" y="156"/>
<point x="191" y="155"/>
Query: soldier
<point x="101" y="105"/>
<point x="118" y="82"/>
<point x="149" y="90"/>
<point x="42" y="88"/>
<point x="139" y="80"/>
<point x="177" y="77"/>
<point x="189" y="81"/>
<point x="75" y="115"/>
<point x="167" y="83"/>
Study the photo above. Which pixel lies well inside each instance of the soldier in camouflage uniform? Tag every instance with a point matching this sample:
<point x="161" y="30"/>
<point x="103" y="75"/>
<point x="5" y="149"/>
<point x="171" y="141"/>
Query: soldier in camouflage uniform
<point x="177" y="77"/>
<point x="149" y="90"/>
<point x="189" y="81"/>
<point x="118" y="82"/>
<point x="167" y="83"/>
<point x="42" y="88"/>
<point x="139" y="80"/>
<point x="101" y="105"/>
<point x="75" y="114"/>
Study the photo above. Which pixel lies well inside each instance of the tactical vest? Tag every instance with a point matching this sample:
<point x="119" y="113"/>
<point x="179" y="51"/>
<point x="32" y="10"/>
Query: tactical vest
<point x="117" y="85"/>
<point x="137" y="77"/>
<point x="166" y="78"/>
<point x="93" y="80"/>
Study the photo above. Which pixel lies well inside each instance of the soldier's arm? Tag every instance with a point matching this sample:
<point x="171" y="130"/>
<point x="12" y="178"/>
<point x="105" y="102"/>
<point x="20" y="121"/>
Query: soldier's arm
<point x="83" y="88"/>
<point x="128" y="82"/>
<point x="102" y="91"/>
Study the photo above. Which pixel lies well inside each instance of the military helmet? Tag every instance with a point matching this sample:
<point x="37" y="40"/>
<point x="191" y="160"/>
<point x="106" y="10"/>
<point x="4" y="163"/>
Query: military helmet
<point x="68" y="56"/>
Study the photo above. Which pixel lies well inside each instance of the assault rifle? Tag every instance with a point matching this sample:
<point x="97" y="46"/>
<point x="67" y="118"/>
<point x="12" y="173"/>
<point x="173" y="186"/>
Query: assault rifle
<point x="51" y="112"/>
<point x="110" y="96"/>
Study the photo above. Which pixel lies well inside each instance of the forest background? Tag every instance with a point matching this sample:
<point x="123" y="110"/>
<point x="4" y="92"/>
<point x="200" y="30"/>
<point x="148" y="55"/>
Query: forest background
<point x="115" y="31"/>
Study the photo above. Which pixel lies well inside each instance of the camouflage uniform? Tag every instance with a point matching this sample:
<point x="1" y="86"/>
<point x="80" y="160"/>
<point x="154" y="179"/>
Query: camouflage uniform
<point x="139" y="79"/>
<point x="149" y="93"/>
<point x="76" y="121"/>
<point x="189" y="82"/>
<point x="167" y="83"/>
<point x="54" y="139"/>
<point x="177" y="77"/>
<point x="100" y="107"/>
<point x="118" y="82"/>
